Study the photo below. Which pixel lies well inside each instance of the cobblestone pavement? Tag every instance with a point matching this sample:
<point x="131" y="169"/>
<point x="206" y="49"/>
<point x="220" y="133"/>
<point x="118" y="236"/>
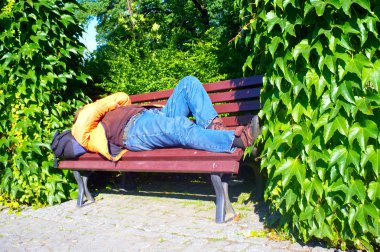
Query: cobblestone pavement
<point x="158" y="217"/>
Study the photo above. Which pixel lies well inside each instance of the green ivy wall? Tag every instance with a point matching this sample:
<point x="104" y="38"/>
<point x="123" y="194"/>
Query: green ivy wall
<point x="321" y="115"/>
<point x="40" y="82"/>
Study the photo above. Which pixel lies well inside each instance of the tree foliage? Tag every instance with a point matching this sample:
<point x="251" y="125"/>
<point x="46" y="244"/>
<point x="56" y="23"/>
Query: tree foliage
<point x="321" y="113"/>
<point x="40" y="80"/>
<point x="150" y="44"/>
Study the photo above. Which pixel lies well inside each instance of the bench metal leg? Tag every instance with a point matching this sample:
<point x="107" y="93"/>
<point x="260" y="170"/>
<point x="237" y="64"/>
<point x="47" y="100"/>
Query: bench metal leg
<point x="220" y="197"/>
<point x="86" y="191"/>
<point x="127" y="182"/>
<point x="82" y="188"/>
<point x="79" y="180"/>
<point x="229" y="207"/>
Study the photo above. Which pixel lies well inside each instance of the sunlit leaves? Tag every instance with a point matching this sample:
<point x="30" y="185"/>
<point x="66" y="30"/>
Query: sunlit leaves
<point x="329" y="88"/>
<point x="362" y="132"/>
<point x="289" y="169"/>
<point x="371" y="156"/>
<point x="371" y="77"/>
<point x="41" y="88"/>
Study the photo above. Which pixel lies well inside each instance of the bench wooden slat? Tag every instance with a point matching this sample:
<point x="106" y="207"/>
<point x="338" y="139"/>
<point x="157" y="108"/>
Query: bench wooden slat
<point x="233" y="121"/>
<point x="152" y="96"/>
<point x="235" y="95"/>
<point x="205" y="166"/>
<point x="230" y="107"/>
<point x="234" y="84"/>
<point x="224" y="96"/>
<point x="226" y="85"/>
<point x="237" y="106"/>
<point x="180" y="153"/>
<point x="160" y="160"/>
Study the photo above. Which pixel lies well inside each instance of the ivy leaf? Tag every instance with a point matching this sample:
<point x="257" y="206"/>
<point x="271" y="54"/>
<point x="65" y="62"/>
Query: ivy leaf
<point x="326" y="103"/>
<point x="318" y="186"/>
<point x="328" y="131"/>
<point x="339" y="155"/>
<point x="297" y="112"/>
<point x="66" y="20"/>
<point x="290" y="198"/>
<point x="272" y="19"/>
<point x="290" y="168"/>
<point x="373" y="156"/>
<point x="311" y="78"/>
<point x="355" y="65"/>
<point x="341" y="125"/>
<point x="319" y="6"/>
<point x="303" y="48"/>
<point x="362" y="134"/>
<point x="330" y="62"/>
<point x="363" y="33"/>
<point x="339" y="185"/>
<point x="332" y="41"/>
<point x="364" y="211"/>
<point x="274" y="44"/>
<point x="307" y="214"/>
<point x="356" y="188"/>
<point x="338" y="123"/>
<point x="32" y="75"/>
<point x="323" y="120"/>
<point x="365" y="4"/>
<point x="374" y="190"/>
<point x="363" y="105"/>
<point x="371" y="76"/>
<point x="353" y="157"/>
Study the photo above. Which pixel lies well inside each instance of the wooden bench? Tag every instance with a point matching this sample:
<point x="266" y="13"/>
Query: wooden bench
<point x="238" y="99"/>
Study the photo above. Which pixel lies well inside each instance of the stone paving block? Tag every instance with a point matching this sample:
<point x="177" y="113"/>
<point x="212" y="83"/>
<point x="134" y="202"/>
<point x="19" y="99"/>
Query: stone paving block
<point x="136" y="222"/>
<point x="237" y="247"/>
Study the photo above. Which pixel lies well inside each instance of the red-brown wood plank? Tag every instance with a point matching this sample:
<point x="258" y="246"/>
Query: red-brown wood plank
<point x="234" y="83"/>
<point x="195" y="166"/>
<point x="210" y="87"/>
<point x="166" y="153"/>
<point x="232" y="107"/>
<point x="233" y="121"/>
<point x="220" y="97"/>
<point x="235" y="95"/>
<point x="160" y="160"/>
<point x="237" y="106"/>
<point x="152" y="96"/>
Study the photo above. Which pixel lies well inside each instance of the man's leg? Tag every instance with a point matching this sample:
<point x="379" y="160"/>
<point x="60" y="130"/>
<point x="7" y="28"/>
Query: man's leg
<point x="190" y="98"/>
<point x="153" y="129"/>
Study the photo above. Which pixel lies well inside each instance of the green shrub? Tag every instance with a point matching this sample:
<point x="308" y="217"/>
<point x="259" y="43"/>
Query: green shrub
<point x="150" y="45"/>
<point x="321" y="61"/>
<point x="40" y="82"/>
<point x="134" y="72"/>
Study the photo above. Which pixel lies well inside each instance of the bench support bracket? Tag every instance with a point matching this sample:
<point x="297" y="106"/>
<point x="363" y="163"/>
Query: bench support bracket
<point x="82" y="180"/>
<point x="223" y="202"/>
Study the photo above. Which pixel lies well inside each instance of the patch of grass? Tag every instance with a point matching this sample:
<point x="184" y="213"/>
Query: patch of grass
<point x="271" y="234"/>
<point x="213" y="239"/>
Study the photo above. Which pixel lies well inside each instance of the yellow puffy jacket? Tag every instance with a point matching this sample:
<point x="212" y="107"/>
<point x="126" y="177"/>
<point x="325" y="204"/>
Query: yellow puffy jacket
<point x="88" y="130"/>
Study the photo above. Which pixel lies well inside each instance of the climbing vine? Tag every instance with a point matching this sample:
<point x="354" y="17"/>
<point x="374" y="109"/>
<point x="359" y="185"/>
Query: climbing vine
<point x="321" y="115"/>
<point x="40" y="80"/>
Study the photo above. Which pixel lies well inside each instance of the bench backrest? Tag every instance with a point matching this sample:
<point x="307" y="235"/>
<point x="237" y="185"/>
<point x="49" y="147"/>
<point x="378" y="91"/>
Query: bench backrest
<point x="236" y="100"/>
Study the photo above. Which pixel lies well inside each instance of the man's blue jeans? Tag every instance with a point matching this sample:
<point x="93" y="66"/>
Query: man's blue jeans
<point x="170" y="127"/>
